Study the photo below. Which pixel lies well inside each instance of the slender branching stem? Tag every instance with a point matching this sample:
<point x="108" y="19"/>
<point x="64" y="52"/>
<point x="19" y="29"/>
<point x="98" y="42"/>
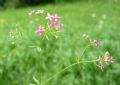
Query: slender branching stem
<point x="70" y="66"/>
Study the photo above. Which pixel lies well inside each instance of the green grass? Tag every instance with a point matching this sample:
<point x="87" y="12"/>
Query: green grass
<point x="19" y="63"/>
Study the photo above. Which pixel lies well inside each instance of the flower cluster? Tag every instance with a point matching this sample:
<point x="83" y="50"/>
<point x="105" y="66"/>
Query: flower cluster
<point x="106" y="59"/>
<point x="40" y="31"/>
<point x="102" y="60"/>
<point x="92" y="41"/>
<point x="52" y="22"/>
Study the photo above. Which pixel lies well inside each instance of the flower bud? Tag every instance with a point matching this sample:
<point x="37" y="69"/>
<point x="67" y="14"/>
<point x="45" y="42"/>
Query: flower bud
<point x="112" y="60"/>
<point x="96" y="43"/>
<point x="100" y="63"/>
<point x="40" y="30"/>
<point x="86" y="37"/>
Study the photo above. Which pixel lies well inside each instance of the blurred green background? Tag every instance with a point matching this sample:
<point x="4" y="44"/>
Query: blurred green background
<point x="19" y="62"/>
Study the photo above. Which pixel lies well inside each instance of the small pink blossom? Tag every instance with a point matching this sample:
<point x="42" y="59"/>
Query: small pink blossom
<point x="108" y="58"/>
<point x="40" y="30"/>
<point x="52" y="25"/>
<point x="60" y="26"/>
<point x="54" y="21"/>
<point x="49" y="17"/>
<point x="56" y="17"/>
<point x="96" y="43"/>
<point x="100" y="63"/>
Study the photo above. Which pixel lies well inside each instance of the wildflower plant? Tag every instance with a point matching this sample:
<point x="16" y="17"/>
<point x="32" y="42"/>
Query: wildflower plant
<point x="102" y="60"/>
<point x="45" y="25"/>
<point x="52" y="27"/>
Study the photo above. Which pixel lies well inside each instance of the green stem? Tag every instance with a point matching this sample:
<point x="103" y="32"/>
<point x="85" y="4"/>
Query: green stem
<point x="91" y="61"/>
<point x="82" y="53"/>
<point x="78" y="62"/>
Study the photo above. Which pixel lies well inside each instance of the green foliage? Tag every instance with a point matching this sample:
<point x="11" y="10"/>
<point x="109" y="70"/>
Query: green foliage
<point x="13" y="3"/>
<point x="2" y="2"/>
<point x="22" y="61"/>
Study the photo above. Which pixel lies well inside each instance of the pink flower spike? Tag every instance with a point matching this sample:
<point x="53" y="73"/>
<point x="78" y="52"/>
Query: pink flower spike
<point x="49" y="17"/>
<point x="100" y="63"/>
<point x="53" y="17"/>
<point x="60" y="26"/>
<point x="52" y="25"/>
<point x="40" y="30"/>
<point x="56" y="17"/>
<point x="96" y="43"/>
<point x="107" y="58"/>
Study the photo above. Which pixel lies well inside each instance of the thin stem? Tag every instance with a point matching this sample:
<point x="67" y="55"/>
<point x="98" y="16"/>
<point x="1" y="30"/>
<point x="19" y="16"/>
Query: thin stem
<point x="78" y="62"/>
<point x="40" y="69"/>
<point x="91" y="61"/>
<point x="82" y="53"/>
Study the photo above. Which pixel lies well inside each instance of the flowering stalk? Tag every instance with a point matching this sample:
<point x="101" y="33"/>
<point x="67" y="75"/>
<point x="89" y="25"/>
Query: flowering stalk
<point x="82" y="53"/>
<point x="70" y="66"/>
<point x="52" y="26"/>
<point x="102" y="60"/>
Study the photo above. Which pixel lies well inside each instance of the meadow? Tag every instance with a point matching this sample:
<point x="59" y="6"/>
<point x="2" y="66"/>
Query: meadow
<point x="24" y="58"/>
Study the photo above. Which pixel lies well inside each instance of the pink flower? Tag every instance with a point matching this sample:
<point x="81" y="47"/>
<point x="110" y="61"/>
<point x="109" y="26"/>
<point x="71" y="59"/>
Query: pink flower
<point x="49" y="17"/>
<point x="52" y="25"/>
<point x="100" y="63"/>
<point x="40" y="30"/>
<point x="54" y="21"/>
<point x="96" y="43"/>
<point x="56" y="17"/>
<point x="107" y="57"/>
<point x="60" y="26"/>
